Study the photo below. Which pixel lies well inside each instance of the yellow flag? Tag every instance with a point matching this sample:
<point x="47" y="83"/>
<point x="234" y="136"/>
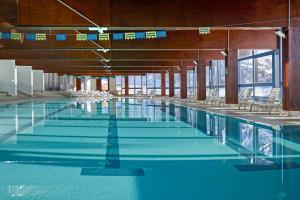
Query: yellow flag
<point x="16" y="36"/>
<point x="41" y="36"/>
<point x="151" y="34"/>
<point x="104" y="36"/>
<point x="130" y="36"/>
<point x="81" y="37"/>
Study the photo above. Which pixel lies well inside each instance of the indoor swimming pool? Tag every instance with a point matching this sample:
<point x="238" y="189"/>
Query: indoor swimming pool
<point x="129" y="149"/>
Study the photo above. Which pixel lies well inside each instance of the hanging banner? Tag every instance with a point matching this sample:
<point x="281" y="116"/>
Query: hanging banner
<point x="41" y="37"/>
<point x="130" y="36"/>
<point x="151" y="34"/>
<point x="92" y="37"/>
<point x="161" y="34"/>
<point x="81" y="37"/>
<point x="30" y="36"/>
<point x="140" y="35"/>
<point x="118" y="36"/>
<point x="16" y="36"/>
<point x="61" y="37"/>
<point x="204" y="30"/>
<point x="103" y="36"/>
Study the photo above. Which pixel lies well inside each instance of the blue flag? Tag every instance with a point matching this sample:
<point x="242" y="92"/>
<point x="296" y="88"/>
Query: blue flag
<point x="161" y="34"/>
<point x="92" y="37"/>
<point x="118" y="36"/>
<point x="30" y="36"/>
<point x="140" y="35"/>
<point x="61" y="37"/>
<point x="6" y="36"/>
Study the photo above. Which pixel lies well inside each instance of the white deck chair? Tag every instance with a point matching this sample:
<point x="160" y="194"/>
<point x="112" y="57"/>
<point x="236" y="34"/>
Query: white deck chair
<point x="245" y="97"/>
<point x="273" y="101"/>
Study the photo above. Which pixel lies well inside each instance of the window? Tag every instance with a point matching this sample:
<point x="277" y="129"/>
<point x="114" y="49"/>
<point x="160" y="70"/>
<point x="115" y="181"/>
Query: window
<point x="215" y="76"/>
<point x="191" y="82"/>
<point x="135" y="84"/>
<point x="153" y="83"/>
<point x="256" y="70"/>
<point x="177" y="84"/>
<point x="104" y="83"/>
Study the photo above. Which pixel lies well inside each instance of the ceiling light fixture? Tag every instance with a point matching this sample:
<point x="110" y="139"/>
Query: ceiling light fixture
<point x="280" y="34"/>
<point x="103" y="50"/>
<point x="195" y="62"/>
<point x="99" y="29"/>
<point x="223" y="53"/>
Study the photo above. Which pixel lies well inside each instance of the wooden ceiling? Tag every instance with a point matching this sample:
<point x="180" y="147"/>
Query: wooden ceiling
<point x="251" y="25"/>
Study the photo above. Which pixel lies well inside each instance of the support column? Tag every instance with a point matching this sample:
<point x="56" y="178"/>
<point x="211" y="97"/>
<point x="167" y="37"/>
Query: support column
<point x="183" y="82"/>
<point x="291" y="69"/>
<point x="163" y="84"/>
<point x="126" y="85"/>
<point x="231" y="78"/>
<point x="98" y="84"/>
<point x="171" y="82"/>
<point x="78" y="84"/>
<point x="201" y="80"/>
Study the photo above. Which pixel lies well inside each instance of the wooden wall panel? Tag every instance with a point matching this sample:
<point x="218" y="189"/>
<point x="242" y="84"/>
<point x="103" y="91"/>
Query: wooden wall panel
<point x="8" y="12"/>
<point x="198" y="13"/>
<point x="52" y="13"/>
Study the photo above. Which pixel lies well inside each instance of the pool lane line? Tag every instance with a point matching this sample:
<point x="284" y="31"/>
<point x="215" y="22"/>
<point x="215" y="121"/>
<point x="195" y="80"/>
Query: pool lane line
<point x="112" y="148"/>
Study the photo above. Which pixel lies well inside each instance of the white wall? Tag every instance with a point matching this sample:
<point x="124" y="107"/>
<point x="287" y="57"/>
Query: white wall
<point x="38" y="80"/>
<point x="8" y="77"/>
<point x="25" y="80"/>
<point x="112" y="84"/>
<point x="93" y="84"/>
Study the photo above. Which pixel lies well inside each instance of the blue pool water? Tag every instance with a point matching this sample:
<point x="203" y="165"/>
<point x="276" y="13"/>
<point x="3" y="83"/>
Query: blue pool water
<point x="131" y="149"/>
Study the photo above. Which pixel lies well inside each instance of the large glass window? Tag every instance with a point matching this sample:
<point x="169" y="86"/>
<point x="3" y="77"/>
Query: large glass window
<point x="215" y="76"/>
<point x="256" y="70"/>
<point x="177" y="84"/>
<point x="104" y="83"/>
<point x="153" y="83"/>
<point x="135" y="84"/>
<point x="191" y="82"/>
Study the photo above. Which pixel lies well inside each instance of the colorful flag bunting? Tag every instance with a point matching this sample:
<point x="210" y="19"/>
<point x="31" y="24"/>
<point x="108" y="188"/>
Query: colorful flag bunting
<point x="161" y="34"/>
<point x="81" y="37"/>
<point x="104" y="36"/>
<point x="30" y="36"/>
<point x="92" y="37"/>
<point x="16" y="36"/>
<point x="118" y="36"/>
<point x="6" y="36"/>
<point x="130" y="36"/>
<point x="0" y="35"/>
<point x="140" y="35"/>
<point x="151" y="34"/>
<point x="61" y="37"/>
<point x="41" y="36"/>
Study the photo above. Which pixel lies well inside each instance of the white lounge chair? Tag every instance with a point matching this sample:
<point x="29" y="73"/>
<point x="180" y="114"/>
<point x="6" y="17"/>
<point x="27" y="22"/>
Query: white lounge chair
<point x="273" y="101"/>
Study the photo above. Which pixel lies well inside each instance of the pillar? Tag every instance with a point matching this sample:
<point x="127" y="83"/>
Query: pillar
<point x="126" y="85"/>
<point x="231" y="77"/>
<point x="163" y="84"/>
<point x="171" y="82"/>
<point x="78" y="84"/>
<point x="183" y="82"/>
<point x="201" y="80"/>
<point x="291" y="69"/>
